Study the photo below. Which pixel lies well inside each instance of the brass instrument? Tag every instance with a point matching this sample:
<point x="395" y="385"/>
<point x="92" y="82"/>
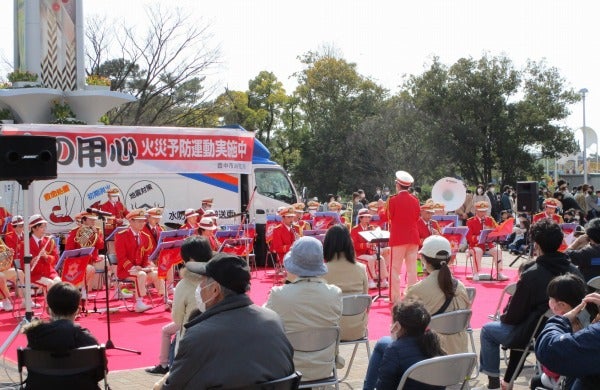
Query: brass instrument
<point x="6" y="256"/>
<point x="348" y="214"/>
<point x="86" y="236"/>
<point x="35" y="260"/>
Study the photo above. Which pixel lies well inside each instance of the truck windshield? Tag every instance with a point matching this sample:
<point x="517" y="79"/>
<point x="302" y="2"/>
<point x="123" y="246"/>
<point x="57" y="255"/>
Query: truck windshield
<point x="275" y="184"/>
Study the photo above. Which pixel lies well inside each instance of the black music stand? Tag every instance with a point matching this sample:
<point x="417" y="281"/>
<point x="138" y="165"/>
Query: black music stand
<point x="109" y="343"/>
<point x="377" y="237"/>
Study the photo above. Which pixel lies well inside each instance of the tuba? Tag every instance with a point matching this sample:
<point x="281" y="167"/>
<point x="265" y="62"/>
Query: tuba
<point x="86" y="236"/>
<point x="449" y="191"/>
<point x="6" y="256"/>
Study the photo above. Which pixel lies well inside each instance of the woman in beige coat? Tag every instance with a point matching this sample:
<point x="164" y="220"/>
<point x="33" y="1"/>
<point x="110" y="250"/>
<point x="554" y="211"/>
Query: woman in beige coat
<point x="439" y="287"/>
<point x="348" y="275"/>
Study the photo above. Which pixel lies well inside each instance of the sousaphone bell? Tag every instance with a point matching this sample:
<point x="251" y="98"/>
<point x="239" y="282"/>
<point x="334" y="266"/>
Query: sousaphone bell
<point x="449" y="191"/>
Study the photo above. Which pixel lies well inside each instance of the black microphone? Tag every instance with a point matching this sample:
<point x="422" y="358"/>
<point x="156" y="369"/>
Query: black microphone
<point x="98" y="212"/>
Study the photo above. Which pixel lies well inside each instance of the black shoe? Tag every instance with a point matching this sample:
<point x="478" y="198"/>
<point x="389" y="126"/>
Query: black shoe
<point x="158" y="369"/>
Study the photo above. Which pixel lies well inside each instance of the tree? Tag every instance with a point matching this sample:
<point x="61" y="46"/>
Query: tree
<point x="335" y="100"/>
<point x="165" y="70"/>
<point x="484" y="117"/>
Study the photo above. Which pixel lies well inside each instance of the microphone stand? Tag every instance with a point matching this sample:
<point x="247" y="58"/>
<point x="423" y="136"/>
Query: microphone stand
<point x="109" y="343"/>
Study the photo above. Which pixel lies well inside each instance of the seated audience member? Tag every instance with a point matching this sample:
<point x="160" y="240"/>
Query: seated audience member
<point x="584" y="252"/>
<point x="528" y="303"/>
<point x="574" y="355"/>
<point x="564" y="293"/>
<point x="439" y="291"/>
<point x="194" y="248"/>
<point x="350" y="276"/>
<point x="412" y="343"/>
<point x="521" y="235"/>
<point x="233" y="343"/>
<point x="307" y="302"/>
<point x="61" y="334"/>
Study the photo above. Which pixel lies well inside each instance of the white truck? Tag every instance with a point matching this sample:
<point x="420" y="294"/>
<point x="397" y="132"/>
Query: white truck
<point x="172" y="168"/>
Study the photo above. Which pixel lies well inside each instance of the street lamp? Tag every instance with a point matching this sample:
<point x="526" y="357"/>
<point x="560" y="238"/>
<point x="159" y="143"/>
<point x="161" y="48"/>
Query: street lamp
<point x="583" y="91"/>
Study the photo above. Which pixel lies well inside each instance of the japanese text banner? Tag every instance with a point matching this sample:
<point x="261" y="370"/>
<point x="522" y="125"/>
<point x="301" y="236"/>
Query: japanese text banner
<point x="112" y="149"/>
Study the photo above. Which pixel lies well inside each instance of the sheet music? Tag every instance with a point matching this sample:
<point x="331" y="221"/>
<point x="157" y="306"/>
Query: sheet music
<point x="377" y="234"/>
<point x="165" y="245"/>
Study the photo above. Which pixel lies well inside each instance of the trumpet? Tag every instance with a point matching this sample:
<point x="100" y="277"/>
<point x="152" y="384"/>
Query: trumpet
<point x="36" y="259"/>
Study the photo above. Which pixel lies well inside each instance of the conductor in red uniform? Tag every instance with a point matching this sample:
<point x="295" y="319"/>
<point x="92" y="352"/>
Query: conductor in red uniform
<point x="403" y="214"/>
<point x="284" y="234"/>
<point x="116" y="209"/>
<point x="132" y="247"/>
<point x="476" y="224"/>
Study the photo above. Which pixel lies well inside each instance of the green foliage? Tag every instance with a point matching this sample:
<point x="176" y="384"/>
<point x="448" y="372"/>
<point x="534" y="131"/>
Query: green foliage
<point x="22" y="75"/>
<point x="335" y="101"/>
<point x="63" y="114"/>
<point x="485" y="119"/>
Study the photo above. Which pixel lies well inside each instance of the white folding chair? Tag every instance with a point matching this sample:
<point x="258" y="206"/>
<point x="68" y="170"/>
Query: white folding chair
<point x="315" y="340"/>
<point x="441" y="370"/>
<point x="353" y="305"/>
<point x="594" y="283"/>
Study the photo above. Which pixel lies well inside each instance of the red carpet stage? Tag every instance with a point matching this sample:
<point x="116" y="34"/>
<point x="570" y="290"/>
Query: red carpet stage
<point x="143" y="331"/>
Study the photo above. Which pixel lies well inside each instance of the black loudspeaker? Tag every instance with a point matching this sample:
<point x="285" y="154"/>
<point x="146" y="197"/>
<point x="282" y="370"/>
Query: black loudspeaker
<point x="27" y="158"/>
<point x="527" y="196"/>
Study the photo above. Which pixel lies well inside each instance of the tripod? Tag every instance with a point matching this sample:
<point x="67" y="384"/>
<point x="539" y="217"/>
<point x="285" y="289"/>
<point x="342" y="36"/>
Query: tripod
<point x="109" y="343"/>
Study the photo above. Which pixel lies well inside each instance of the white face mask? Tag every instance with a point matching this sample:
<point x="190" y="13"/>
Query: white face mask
<point x="479" y="191"/>
<point x="198" y="296"/>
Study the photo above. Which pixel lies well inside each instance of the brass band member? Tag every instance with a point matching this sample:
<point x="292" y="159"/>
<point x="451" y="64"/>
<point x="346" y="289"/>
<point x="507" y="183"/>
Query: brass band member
<point x="403" y="210"/>
<point x="476" y="224"/>
<point x="550" y="205"/>
<point x="116" y="208"/>
<point x="367" y="252"/>
<point x="299" y="223"/>
<point x="427" y="226"/>
<point x="132" y="247"/>
<point x="207" y="228"/>
<point x="191" y="219"/>
<point x="44" y="253"/>
<point x="15" y="241"/>
<point x="85" y="236"/>
<point x="284" y="234"/>
<point x="152" y="227"/>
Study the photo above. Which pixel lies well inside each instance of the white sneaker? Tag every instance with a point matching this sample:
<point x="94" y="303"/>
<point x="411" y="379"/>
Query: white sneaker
<point x="141" y="307"/>
<point x="502" y="277"/>
<point x="7" y="305"/>
<point x="372" y="284"/>
<point x="33" y="305"/>
<point x="385" y="284"/>
<point x="475" y="277"/>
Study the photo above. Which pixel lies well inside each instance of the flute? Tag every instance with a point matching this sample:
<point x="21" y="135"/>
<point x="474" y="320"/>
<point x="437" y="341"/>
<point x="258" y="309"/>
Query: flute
<point x="36" y="259"/>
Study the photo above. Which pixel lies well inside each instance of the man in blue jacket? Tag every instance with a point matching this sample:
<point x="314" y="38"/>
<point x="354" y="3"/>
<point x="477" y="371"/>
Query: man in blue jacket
<point x="574" y="355"/>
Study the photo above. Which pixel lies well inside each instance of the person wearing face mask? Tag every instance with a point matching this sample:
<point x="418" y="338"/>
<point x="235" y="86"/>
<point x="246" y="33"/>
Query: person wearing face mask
<point x="230" y="333"/>
<point x="409" y="342"/>
<point x="116" y="208"/>
<point x="194" y="248"/>
<point x="479" y="196"/>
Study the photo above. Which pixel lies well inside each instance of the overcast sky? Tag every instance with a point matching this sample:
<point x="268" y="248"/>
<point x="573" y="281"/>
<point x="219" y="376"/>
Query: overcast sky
<point x="386" y="39"/>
